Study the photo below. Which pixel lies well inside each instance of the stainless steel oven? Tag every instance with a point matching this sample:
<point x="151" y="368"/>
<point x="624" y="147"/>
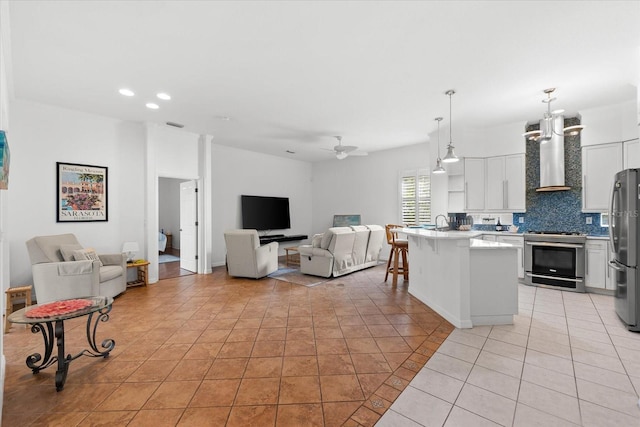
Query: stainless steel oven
<point x="553" y="259"/>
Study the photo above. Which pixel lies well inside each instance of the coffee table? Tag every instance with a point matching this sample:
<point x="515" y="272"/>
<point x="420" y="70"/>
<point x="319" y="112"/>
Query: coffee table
<point x="53" y="327"/>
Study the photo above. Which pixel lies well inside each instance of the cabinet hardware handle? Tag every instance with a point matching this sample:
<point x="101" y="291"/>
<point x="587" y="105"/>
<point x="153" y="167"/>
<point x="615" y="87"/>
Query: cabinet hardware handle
<point x="565" y="279"/>
<point x="466" y="195"/>
<point x="558" y="245"/>
<point x="506" y="194"/>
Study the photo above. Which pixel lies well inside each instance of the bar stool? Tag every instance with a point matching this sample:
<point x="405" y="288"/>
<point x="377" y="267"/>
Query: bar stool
<point x="399" y="248"/>
<point x="12" y="295"/>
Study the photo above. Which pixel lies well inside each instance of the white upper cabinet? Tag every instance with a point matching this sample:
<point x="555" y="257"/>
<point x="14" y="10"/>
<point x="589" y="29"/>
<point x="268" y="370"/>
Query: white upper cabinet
<point x="506" y="183"/>
<point x="455" y="176"/>
<point x="495" y="183"/>
<point x="515" y="175"/>
<point x="599" y="165"/>
<point x="474" y="178"/>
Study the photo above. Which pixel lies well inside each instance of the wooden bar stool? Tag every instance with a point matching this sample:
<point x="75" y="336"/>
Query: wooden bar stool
<point x="399" y="248"/>
<point x="12" y="295"/>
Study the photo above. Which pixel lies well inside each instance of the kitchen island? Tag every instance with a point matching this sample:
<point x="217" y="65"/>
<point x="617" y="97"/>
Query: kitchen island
<point x="466" y="280"/>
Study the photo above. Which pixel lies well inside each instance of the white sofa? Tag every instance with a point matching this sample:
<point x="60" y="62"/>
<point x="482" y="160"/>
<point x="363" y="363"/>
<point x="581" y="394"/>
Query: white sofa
<point x="342" y="250"/>
<point x="57" y="274"/>
<point x="245" y="256"/>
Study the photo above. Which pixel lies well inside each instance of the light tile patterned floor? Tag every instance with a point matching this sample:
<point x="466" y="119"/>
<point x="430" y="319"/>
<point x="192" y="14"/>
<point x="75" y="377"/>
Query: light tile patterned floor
<point x="566" y="361"/>
<point x="211" y="350"/>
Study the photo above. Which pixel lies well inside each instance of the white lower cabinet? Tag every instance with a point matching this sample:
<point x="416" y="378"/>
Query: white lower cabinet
<point x="597" y="272"/>
<point x="517" y="241"/>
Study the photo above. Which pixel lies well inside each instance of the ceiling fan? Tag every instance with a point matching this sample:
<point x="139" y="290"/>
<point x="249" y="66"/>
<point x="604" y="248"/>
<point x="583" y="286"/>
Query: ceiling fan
<point x="342" y="151"/>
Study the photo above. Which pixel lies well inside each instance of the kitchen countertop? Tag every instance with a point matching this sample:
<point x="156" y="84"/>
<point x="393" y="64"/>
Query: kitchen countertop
<point x="455" y="234"/>
<point x="432" y="234"/>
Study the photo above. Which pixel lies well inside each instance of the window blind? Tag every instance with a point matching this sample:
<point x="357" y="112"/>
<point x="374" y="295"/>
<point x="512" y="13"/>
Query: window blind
<point x="415" y="190"/>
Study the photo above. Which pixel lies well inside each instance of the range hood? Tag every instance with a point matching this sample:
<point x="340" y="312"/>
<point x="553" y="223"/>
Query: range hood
<point x="552" y="157"/>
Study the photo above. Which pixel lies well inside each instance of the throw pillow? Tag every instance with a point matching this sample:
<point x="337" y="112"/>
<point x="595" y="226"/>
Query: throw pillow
<point x="88" y="253"/>
<point x="68" y="250"/>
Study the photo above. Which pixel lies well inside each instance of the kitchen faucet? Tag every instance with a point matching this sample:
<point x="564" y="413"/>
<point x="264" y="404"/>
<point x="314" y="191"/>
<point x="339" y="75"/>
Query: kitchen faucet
<point x="445" y="220"/>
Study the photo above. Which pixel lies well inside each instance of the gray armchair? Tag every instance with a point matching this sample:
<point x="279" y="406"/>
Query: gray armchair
<point x="245" y="256"/>
<point x="57" y="275"/>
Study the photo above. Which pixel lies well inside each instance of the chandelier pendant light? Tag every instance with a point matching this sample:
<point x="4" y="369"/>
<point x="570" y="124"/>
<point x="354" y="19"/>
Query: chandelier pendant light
<point x="450" y="157"/>
<point x="547" y="123"/>
<point x="439" y="168"/>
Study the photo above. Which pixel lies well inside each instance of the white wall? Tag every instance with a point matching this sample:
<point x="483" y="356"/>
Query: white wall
<point x="236" y="172"/>
<point x="43" y="135"/>
<point x="174" y="153"/>
<point x="5" y="89"/>
<point x="368" y="186"/>
<point x="612" y="123"/>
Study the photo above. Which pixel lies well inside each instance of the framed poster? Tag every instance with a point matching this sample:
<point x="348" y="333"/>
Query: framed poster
<point x="4" y="161"/>
<point x="82" y="193"/>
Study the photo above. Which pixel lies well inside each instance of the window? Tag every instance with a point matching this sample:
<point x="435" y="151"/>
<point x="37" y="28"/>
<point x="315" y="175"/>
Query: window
<point x="415" y="192"/>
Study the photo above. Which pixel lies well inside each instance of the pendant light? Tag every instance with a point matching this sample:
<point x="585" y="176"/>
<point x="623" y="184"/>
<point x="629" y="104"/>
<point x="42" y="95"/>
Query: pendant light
<point x="450" y="157"/>
<point x="548" y="123"/>
<point x="439" y="168"/>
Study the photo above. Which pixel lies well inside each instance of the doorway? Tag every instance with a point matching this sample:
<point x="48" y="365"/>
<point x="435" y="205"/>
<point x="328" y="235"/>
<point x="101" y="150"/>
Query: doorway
<point x="175" y="211"/>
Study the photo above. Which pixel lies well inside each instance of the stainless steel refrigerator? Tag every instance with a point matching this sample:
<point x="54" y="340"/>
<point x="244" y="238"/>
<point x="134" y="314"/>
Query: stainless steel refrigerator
<point x="625" y="241"/>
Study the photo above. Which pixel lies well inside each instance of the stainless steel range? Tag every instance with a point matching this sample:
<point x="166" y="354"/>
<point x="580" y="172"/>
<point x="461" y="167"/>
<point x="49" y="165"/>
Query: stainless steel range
<point x="555" y="259"/>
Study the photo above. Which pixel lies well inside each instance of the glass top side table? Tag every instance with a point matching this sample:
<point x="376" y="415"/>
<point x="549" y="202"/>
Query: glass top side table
<point x="53" y="327"/>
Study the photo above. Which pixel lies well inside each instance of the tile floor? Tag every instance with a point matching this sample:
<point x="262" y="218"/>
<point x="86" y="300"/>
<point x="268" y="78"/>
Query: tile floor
<point x="566" y="361"/>
<point x="213" y="350"/>
<point x="210" y="350"/>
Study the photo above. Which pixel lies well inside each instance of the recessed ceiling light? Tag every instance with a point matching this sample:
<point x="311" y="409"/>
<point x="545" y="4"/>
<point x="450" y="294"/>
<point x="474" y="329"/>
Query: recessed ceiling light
<point x="152" y="106"/>
<point x="223" y="118"/>
<point x="163" y="96"/>
<point x="126" y="92"/>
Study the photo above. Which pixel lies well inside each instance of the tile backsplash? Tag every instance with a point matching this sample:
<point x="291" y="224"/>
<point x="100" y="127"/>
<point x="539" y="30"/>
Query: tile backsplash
<point x="557" y="210"/>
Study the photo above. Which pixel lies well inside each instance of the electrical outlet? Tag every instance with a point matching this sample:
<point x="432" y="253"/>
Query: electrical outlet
<point x="521" y="220"/>
<point x="589" y="220"/>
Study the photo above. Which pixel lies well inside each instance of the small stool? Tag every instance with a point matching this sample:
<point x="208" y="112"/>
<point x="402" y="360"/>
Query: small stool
<point x="12" y="295"/>
<point x="399" y="249"/>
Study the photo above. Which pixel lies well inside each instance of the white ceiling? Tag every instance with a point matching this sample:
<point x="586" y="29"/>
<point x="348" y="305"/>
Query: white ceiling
<point x="290" y="75"/>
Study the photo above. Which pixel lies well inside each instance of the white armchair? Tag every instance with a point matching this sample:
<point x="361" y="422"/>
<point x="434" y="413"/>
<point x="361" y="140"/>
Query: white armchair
<point x="58" y="275"/>
<point x="245" y="256"/>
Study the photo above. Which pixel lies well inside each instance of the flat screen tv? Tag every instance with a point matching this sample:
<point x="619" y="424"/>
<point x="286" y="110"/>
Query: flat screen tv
<point x="265" y="213"/>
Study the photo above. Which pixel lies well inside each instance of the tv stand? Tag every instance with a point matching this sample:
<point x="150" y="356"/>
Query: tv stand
<point x="282" y="238"/>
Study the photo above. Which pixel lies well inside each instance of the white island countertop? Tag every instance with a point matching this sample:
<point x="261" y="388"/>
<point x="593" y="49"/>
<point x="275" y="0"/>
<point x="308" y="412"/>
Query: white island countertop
<point x="432" y="234"/>
<point x="467" y="280"/>
<point x="472" y="236"/>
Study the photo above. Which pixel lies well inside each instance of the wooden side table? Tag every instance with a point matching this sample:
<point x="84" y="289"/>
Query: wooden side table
<point x="142" y="278"/>
<point x="12" y="295"/>
<point x="169" y="242"/>
<point x="290" y="258"/>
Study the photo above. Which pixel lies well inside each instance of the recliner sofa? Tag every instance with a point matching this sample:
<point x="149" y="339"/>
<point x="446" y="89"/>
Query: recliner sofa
<point x="246" y="257"/>
<point x="342" y="250"/>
